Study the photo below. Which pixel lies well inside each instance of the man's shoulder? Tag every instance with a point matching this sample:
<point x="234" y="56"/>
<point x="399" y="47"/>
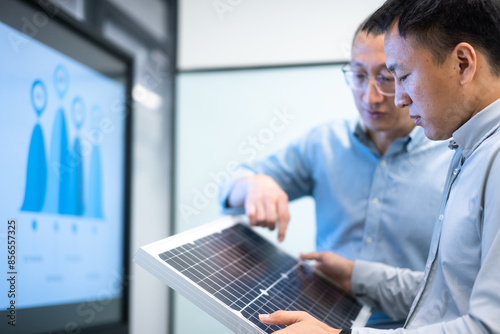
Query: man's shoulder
<point x="338" y="128"/>
<point x="489" y="153"/>
<point x="487" y="150"/>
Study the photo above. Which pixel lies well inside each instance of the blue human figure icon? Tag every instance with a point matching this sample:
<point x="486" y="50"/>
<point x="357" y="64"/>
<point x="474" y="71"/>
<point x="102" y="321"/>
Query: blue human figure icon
<point x="58" y="182"/>
<point x="75" y="200"/>
<point x="94" y="199"/>
<point x="36" y="171"/>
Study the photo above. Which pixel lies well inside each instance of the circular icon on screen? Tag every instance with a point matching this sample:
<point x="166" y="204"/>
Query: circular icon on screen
<point x="39" y="96"/>
<point x="61" y="80"/>
<point x="78" y="112"/>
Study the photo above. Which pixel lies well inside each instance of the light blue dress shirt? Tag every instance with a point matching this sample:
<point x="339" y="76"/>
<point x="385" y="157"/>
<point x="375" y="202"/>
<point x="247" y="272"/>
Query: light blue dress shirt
<point x="459" y="292"/>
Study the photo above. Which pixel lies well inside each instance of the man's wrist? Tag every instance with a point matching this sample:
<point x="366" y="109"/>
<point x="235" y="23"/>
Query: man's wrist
<point x="237" y="195"/>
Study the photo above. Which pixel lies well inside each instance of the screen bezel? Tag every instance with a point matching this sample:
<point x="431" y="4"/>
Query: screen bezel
<point x="67" y="25"/>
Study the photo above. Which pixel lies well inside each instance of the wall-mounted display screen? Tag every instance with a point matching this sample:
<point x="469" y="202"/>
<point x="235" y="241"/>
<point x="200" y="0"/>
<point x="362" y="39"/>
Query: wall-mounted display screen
<point x="63" y="176"/>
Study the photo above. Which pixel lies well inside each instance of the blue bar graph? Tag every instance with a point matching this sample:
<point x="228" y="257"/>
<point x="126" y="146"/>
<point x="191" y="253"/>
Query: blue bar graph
<point x="56" y="181"/>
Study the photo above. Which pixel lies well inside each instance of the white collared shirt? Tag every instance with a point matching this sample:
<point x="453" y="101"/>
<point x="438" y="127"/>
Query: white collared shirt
<point x="459" y="292"/>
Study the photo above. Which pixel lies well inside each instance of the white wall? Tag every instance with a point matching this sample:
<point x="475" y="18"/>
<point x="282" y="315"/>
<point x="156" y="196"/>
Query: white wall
<point x="227" y="33"/>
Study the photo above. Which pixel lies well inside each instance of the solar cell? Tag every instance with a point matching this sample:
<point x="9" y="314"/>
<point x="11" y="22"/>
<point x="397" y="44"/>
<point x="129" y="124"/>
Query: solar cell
<point x="235" y="274"/>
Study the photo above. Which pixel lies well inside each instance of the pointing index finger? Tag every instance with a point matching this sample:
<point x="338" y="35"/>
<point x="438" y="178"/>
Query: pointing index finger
<point x="283" y="219"/>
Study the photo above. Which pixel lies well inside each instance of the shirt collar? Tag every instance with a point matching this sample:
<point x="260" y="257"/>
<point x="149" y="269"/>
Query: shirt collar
<point x="414" y="139"/>
<point x="470" y="135"/>
<point x="360" y="131"/>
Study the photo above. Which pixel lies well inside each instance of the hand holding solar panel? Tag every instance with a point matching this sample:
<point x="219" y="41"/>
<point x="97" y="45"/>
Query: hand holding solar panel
<point x="234" y="274"/>
<point x="297" y="322"/>
<point x="333" y="266"/>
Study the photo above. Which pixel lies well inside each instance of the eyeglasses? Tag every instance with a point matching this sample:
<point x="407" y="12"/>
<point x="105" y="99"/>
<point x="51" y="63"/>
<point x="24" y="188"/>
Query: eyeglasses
<point x="359" y="81"/>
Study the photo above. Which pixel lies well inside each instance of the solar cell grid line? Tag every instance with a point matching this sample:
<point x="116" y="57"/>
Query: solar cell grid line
<point x="248" y="256"/>
<point x="224" y="289"/>
<point x="311" y="299"/>
<point x="235" y="253"/>
<point x="217" y="245"/>
<point x="297" y="303"/>
<point x="200" y="257"/>
<point x="294" y="304"/>
<point x="319" y="285"/>
<point x="200" y="261"/>
<point x="198" y="265"/>
<point x="210" y="265"/>
<point x="257" y="269"/>
<point x="290" y="301"/>
<point x="239" y="262"/>
<point x="256" y="274"/>
<point x="229" y="238"/>
<point x="193" y="264"/>
<point x="270" y="304"/>
<point x="265" y="292"/>
<point x="230" y="293"/>
<point x="214" y="248"/>
<point x="178" y="260"/>
<point x="340" y="306"/>
<point x="221" y="291"/>
<point x="215" y="265"/>
<point x="226" y="266"/>
<point x="272" y="275"/>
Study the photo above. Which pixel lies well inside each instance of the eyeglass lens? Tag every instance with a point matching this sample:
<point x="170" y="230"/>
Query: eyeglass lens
<point x="360" y="81"/>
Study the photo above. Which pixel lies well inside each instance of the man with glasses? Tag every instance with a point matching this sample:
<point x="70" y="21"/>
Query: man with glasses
<point x="376" y="180"/>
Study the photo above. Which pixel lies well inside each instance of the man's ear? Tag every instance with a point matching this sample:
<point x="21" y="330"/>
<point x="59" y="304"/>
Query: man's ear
<point x="466" y="58"/>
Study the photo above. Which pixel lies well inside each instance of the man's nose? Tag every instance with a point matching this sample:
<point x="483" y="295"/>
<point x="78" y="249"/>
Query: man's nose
<point x="371" y="93"/>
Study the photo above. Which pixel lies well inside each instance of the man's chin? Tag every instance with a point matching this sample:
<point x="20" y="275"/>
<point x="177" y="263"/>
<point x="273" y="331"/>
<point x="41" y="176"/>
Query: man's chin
<point x="433" y="135"/>
<point x="379" y="127"/>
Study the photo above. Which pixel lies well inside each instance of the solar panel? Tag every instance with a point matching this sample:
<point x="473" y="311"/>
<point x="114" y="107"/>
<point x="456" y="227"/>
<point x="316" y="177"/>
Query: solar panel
<point x="234" y="274"/>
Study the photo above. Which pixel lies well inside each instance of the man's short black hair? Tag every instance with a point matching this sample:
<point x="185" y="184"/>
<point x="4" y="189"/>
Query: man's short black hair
<point x="439" y="25"/>
<point x="359" y="30"/>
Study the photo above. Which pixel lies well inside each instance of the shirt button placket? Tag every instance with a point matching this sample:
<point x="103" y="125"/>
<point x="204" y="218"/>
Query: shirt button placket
<point x="373" y="213"/>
